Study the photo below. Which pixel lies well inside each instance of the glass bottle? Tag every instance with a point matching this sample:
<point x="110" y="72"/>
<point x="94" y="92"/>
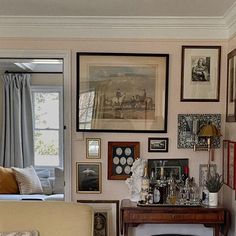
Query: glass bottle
<point x="156" y="194"/>
<point x="153" y="180"/>
<point x="163" y="187"/>
<point x="145" y="180"/>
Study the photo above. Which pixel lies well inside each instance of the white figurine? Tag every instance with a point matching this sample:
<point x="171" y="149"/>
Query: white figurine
<point x="135" y="180"/>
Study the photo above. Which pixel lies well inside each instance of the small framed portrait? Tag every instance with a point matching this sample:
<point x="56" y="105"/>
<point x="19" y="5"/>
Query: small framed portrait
<point x="121" y="156"/>
<point x="203" y="172"/>
<point x="88" y="177"/>
<point x="93" y="148"/>
<point x="158" y="144"/>
<point x="106" y="216"/>
<point x="200" y="74"/>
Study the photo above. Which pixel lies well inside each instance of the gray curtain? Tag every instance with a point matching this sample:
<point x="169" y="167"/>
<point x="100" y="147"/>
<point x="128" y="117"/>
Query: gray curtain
<point x="16" y="147"/>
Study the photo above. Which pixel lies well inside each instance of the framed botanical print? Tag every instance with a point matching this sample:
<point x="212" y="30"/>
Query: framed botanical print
<point x="200" y="74"/>
<point x="231" y="87"/>
<point x="121" y="92"/>
<point x="88" y="176"/>
<point x="121" y="156"/>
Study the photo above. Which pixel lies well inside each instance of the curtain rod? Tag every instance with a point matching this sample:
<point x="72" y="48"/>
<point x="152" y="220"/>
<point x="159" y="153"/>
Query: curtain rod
<point x="27" y="72"/>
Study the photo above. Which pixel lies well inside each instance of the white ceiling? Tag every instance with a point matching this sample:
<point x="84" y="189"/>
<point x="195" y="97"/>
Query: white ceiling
<point x="209" y="8"/>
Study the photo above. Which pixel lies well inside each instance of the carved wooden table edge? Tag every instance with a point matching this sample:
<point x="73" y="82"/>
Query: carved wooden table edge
<point x="132" y="215"/>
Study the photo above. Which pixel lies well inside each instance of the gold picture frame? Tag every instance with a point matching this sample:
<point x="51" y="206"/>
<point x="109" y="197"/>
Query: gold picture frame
<point x="93" y="148"/>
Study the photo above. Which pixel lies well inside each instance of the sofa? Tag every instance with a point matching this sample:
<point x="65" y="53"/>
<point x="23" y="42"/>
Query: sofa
<point x="31" y="184"/>
<point x="47" y="218"/>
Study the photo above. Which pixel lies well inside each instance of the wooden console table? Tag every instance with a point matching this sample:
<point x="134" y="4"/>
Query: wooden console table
<point x="133" y="215"/>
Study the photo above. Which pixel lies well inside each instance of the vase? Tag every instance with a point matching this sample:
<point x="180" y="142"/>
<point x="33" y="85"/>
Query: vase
<point x="213" y="199"/>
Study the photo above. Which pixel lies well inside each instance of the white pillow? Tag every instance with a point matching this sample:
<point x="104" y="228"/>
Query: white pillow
<point x="46" y="186"/>
<point x="58" y="186"/>
<point x="28" y="181"/>
<point x="21" y="233"/>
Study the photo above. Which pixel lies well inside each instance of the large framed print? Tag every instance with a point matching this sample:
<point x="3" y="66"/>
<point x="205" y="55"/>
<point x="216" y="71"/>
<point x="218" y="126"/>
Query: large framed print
<point x="88" y="177"/>
<point x="106" y="216"/>
<point x="119" y="92"/>
<point x="231" y="87"/>
<point x="200" y="74"/>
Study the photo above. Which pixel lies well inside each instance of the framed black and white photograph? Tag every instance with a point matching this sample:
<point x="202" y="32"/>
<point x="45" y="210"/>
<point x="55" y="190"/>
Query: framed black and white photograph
<point x="93" y="148"/>
<point x="203" y="172"/>
<point x="118" y="92"/>
<point x="121" y="156"/>
<point x="231" y="87"/>
<point x="158" y="144"/>
<point x="200" y="74"/>
<point x="88" y="177"/>
<point x="106" y="216"/>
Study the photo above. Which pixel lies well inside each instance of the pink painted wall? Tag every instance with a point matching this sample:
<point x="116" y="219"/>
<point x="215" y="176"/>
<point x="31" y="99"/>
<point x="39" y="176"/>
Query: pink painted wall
<point x="112" y="189"/>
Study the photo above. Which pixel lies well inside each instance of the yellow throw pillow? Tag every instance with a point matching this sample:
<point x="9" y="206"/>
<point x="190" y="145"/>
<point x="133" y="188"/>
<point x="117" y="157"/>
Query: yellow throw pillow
<point x="8" y="184"/>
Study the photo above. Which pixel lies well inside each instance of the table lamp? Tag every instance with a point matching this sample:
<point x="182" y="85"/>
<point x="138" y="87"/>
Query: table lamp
<point x="209" y="131"/>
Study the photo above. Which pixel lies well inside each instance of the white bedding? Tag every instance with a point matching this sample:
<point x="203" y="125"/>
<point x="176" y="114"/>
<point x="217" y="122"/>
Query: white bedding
<point x="34" y="197"/>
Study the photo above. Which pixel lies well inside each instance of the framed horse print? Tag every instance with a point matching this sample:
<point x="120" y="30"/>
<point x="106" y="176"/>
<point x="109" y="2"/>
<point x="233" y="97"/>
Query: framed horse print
<point x="118" y="92"/>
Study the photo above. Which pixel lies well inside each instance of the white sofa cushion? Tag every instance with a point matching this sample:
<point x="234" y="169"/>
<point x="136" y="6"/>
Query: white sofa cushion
<point x="58" y="186"/>
<point x="21" y="233"/>
<point x="28" y="181"/>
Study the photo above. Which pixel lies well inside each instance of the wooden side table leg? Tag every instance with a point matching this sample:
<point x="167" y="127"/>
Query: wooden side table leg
<point x="217" y="230"/>
<point x="126" y="229"/>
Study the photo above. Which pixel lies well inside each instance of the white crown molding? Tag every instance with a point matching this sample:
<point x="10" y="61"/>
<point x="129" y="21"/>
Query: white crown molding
<point x="230" y="20"/>
<point x="119" y="27"/>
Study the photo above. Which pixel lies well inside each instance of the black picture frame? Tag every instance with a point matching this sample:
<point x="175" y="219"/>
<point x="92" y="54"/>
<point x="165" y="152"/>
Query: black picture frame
<point x="231" y="87"/>
<point x="200" y="73"/>
<point x="88" y="177"/>
<point x="158" y="144"/>
<point x="122" y="92"/>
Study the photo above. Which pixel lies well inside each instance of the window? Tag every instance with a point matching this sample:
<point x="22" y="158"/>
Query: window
<point x="48" y="126"/>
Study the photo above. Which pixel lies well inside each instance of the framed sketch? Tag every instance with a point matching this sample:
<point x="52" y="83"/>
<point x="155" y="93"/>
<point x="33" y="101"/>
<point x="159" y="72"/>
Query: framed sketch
<point x="189" y="126"/>
<point x="121" y="156"/>
<point x="200" y="74"/>
<point x="225" y="161"/>
<point x="158" y="144"/>
<point x="232" y="164"/>
<point x="88" y="176"/>
<point x="106" y="216"/>
<point x="203" y="172"/>
<point x="93" y="148"/>
<point x="231" y="87"/>
<point x="119" y="92"/>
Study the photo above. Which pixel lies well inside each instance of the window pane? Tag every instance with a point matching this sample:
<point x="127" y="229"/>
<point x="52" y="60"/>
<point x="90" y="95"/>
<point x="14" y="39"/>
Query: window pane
<point x="46" y="110"/>
<point x="46" y="147"/>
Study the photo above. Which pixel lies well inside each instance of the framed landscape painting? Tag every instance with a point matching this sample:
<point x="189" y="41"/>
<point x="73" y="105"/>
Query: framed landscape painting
<point x="200" y="74"/>
<point x="122" y="92"/>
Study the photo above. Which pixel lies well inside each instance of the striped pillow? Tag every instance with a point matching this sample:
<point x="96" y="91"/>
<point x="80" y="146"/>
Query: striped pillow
<point x="27" y="180"/>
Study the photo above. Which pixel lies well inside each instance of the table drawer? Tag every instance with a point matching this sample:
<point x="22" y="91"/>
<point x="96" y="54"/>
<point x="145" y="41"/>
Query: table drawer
<point x="175" y="217"/>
